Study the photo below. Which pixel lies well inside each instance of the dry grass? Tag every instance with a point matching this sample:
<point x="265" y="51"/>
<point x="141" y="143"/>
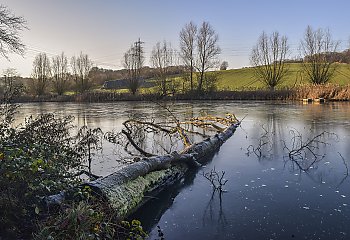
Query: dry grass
<point x="331" y="92"/>
<point x="328" y="91"/>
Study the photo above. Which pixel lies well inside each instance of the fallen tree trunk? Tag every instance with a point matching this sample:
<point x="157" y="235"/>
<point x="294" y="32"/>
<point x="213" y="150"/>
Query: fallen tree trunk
<point x="131" y="186"/>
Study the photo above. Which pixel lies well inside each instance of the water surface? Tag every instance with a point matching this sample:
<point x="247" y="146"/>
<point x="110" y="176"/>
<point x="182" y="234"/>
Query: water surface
<point x="268" y="196"/>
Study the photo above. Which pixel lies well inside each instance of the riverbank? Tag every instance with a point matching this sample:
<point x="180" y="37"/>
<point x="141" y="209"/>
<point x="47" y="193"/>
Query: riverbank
<point x="330" y="92"/>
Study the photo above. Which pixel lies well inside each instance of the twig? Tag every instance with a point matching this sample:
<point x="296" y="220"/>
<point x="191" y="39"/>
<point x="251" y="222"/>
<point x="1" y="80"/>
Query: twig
<point x="216" y="179"/>
<point x="299" y="148"/>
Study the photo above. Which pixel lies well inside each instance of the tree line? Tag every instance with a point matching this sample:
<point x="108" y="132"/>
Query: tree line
<point x="197" y="54"/>
<point x="56" y="72"/>
<point x="269" y="57"/>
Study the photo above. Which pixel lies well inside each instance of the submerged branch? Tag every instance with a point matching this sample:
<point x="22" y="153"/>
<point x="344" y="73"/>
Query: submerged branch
<point x="299" y="149"/>
<point x="132" y="142"/>
<point x="151" y="138"/>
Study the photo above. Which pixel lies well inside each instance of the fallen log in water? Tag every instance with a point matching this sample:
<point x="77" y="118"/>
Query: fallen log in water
<point x="131" y="186"/>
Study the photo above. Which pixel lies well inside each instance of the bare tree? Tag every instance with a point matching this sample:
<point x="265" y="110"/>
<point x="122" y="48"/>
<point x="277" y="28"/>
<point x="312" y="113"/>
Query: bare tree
<point x="60" y="73"/>
<point x="162" y="58"/>
<point x="10" y="27"/>
<point x="10" y="88"/>
<point x="224" y="65"/>
<point x="187" y="48"/>
<point x="208" y="50"/>
<point x="81" y="67"/>
<point x="268" y="58"/>
<point x="133" y="61"/>
<point x="317" y="48"/>
<point x="41" y="74"/>
<point x="9" y="84"/>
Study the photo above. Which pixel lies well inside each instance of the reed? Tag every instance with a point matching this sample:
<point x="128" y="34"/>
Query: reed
<point x="332" y="92"/>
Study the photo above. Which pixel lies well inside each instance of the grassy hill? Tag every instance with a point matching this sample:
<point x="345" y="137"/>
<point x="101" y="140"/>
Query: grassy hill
<point x="243" y="79"/>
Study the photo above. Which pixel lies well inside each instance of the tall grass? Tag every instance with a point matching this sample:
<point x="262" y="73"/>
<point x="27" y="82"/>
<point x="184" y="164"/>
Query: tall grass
<point x="328" y="91"/>
<point x="332" y="92"/>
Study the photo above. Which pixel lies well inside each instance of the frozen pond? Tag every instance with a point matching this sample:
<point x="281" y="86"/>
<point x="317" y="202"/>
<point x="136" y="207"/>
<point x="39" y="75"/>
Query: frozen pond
<point x="268" y="196"/>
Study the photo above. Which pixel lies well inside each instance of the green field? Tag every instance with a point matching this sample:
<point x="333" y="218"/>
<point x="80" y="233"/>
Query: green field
<point x="243" y="79"/>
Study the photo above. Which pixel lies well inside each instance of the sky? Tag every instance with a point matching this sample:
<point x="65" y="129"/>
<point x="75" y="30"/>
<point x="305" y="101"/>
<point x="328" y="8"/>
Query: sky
<point x="105" y="29"/>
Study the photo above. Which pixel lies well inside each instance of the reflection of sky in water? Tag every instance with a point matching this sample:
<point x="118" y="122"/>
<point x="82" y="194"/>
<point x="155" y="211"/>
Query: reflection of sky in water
<point x="267" y="198"/>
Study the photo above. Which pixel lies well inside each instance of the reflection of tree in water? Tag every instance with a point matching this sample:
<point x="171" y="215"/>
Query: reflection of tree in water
<point x="306" y="152"/>
<point x="307" y="157"/>
<point x="214" y="213"/>
<point x="267" y="136"/>
<point x="302" y="150"/>
<point x="346" y="173"/>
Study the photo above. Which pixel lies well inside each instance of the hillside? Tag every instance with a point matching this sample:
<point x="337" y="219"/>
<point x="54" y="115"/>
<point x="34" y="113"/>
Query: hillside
<point x="240" y="79"/>
<point x="243" y="79"/>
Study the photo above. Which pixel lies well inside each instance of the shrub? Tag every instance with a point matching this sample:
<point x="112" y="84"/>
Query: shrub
<point x="36" y="160"/>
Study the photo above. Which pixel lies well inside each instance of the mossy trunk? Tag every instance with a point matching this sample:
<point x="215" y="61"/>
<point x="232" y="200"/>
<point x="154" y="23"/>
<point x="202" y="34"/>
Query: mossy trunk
<point x="131" y="186"/>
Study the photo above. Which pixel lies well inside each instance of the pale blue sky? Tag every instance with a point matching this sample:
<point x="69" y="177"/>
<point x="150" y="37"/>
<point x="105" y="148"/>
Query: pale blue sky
<point x="104" y="29"/>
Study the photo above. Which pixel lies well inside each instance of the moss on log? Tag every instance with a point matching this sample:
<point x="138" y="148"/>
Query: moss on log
<point x="131" y="186"/>
<point x="127" y="197"/>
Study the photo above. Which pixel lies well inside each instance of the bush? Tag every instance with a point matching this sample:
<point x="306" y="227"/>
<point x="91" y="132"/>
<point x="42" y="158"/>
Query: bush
<point x="41" y="158"/>
<point x="81" y="220"/>
<point x="36" y="160"/>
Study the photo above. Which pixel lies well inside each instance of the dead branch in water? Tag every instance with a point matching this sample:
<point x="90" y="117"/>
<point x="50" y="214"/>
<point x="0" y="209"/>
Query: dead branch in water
<point x="305" y="153"/>
<point x="146" y="138"/>
<point x="263" y="143"/>
<point x="346" y="174"/>
<point x="216" y="179"/>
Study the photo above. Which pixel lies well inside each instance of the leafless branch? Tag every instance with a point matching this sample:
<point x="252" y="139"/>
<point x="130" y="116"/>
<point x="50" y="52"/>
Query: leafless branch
<point x="346" y="174"/>
<point x="263" y="143"/>
<point x="268" y="58"/>
<point x="150" y="138"/>
<point x="10" y="28"/>
<point x="300" y="149"/>
<point x="216" y="179"/>
<point x="317" y="48"/>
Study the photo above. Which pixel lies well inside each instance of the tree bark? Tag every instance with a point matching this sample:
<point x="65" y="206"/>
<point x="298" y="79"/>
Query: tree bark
<point x="130" y="187"/>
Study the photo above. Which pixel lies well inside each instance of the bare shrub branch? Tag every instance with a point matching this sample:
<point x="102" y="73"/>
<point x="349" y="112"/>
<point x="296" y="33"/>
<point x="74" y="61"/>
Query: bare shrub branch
<point x="317" y="48"/>
<point x="268" y="58"/>
<point x="147" y="138"/>
<point x="10" y="27"/>
<point x="304" y="153"/>
<point x="263" y="143"/>
<point x="216" y="179"/>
